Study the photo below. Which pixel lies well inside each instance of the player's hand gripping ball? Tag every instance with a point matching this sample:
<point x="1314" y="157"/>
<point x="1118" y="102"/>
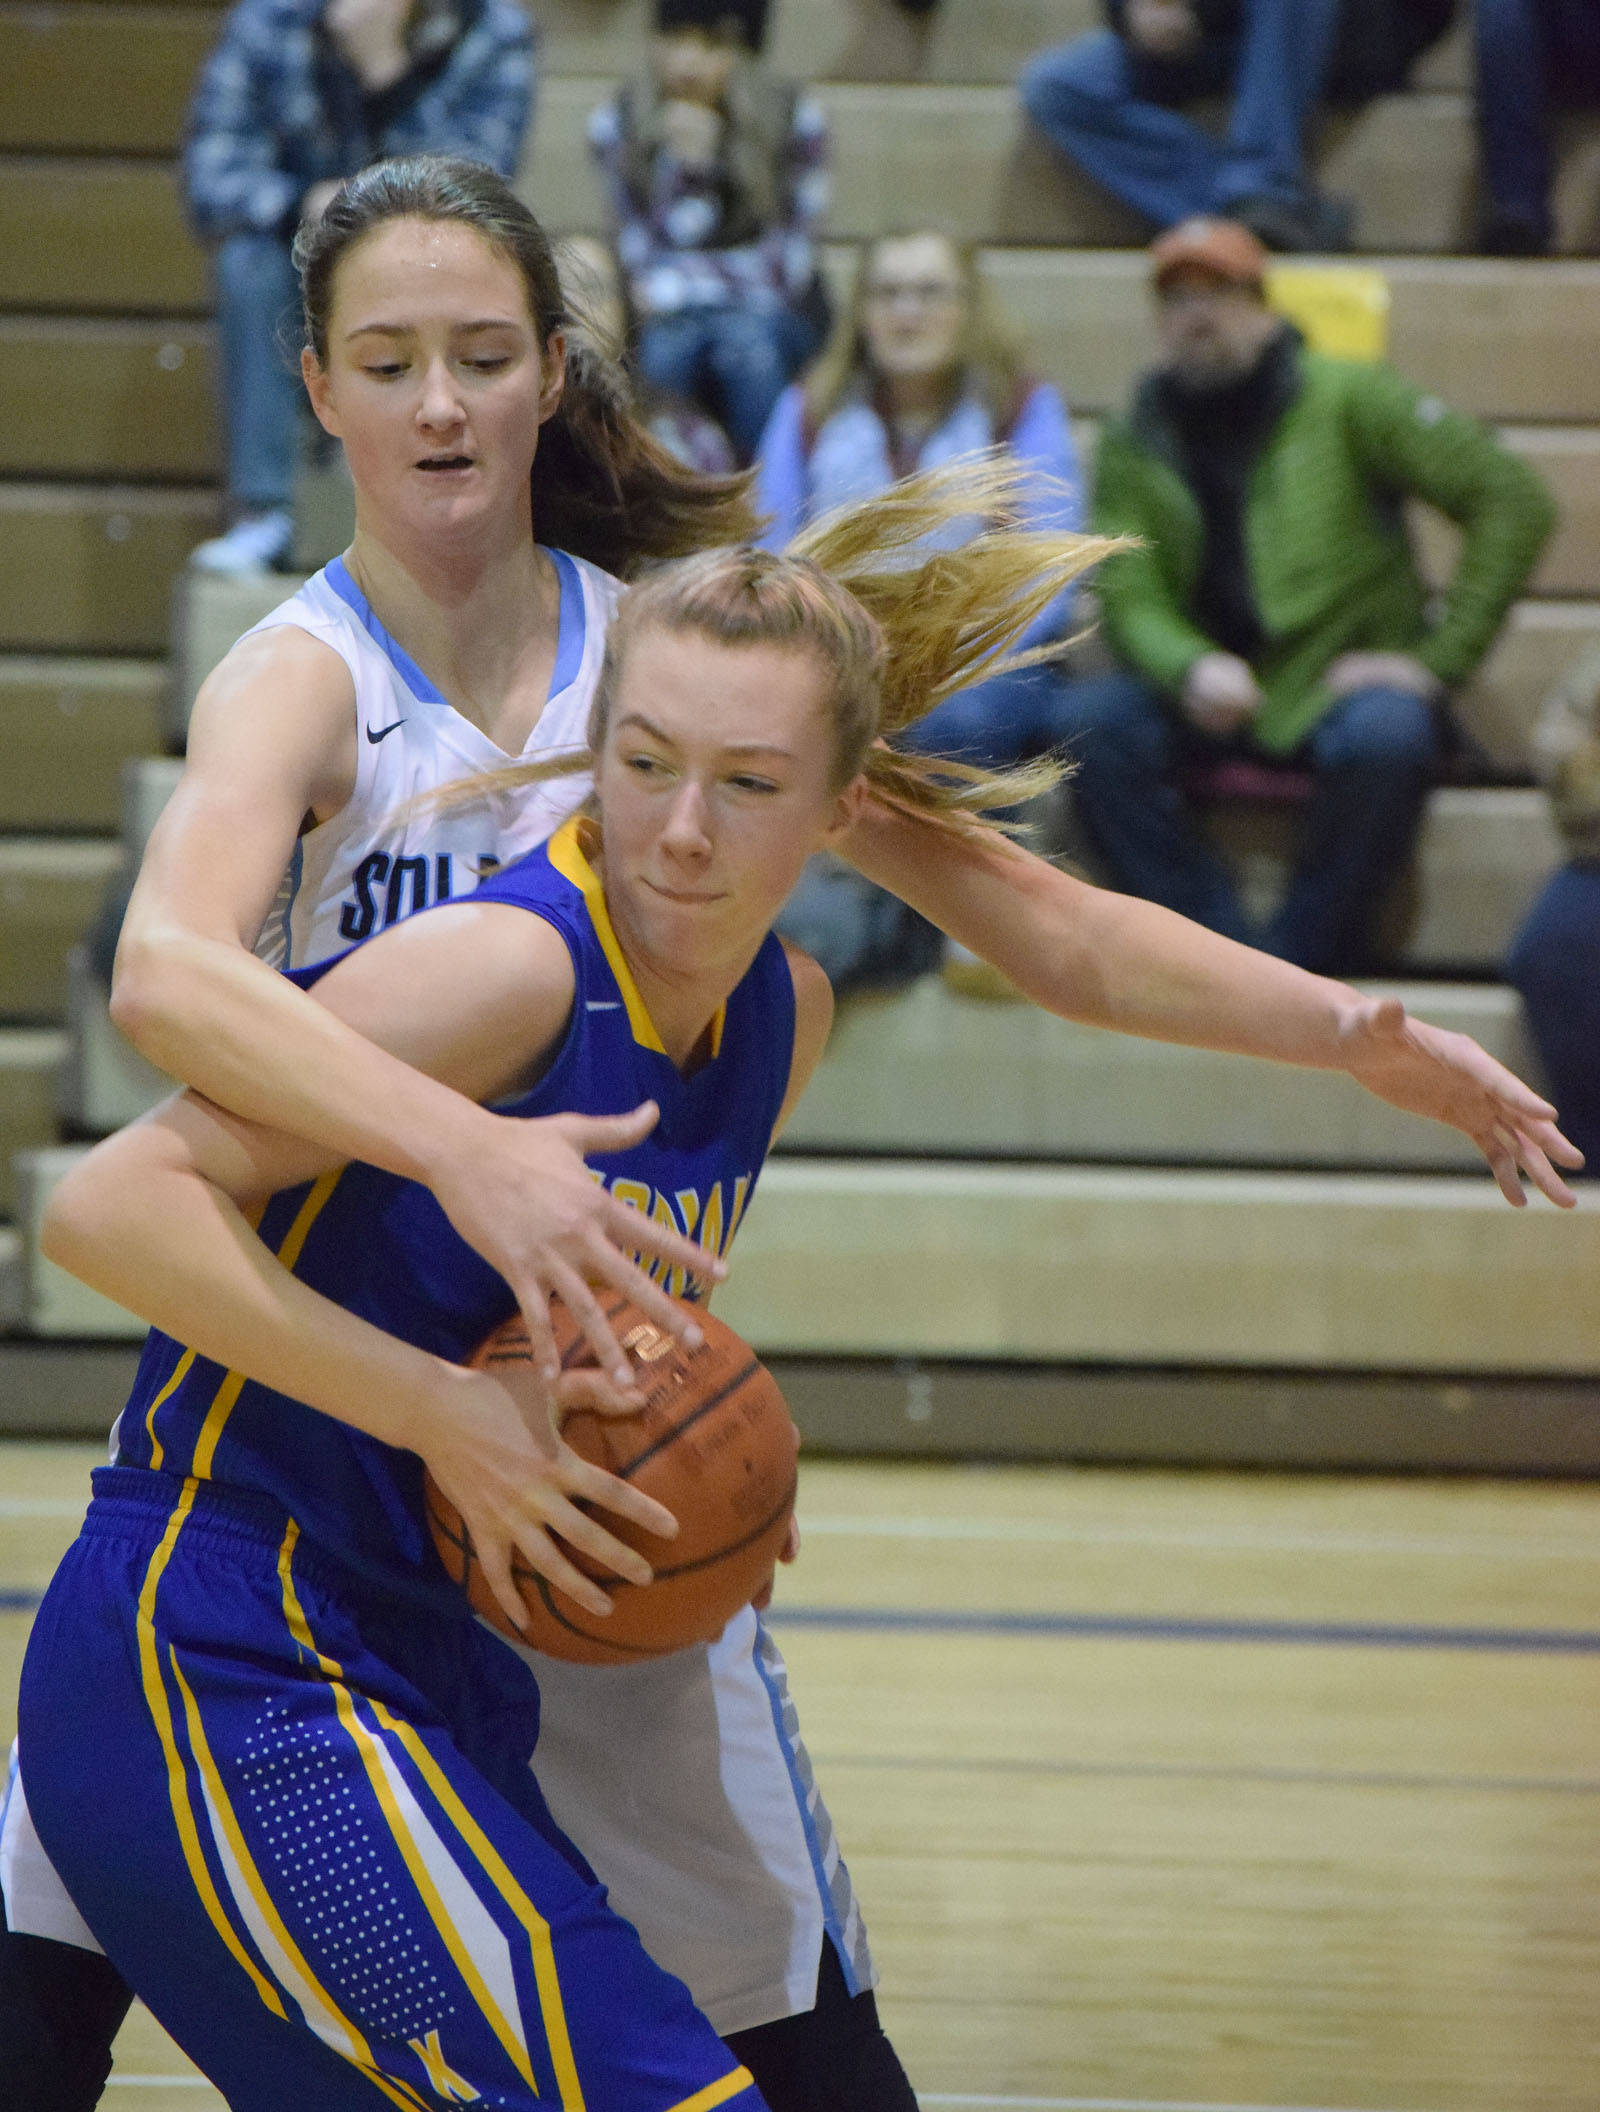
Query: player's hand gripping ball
<point x="714" y="1442"/>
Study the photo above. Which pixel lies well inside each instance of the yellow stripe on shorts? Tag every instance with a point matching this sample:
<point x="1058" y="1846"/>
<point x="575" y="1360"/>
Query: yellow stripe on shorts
<point x="367" y="1746"/>
<point x="177" y="1782"/>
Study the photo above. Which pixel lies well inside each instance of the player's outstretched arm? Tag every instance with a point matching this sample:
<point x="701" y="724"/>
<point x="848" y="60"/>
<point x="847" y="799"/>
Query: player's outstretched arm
<point x="1111" y="960"/>
<point x="272" y="741"/>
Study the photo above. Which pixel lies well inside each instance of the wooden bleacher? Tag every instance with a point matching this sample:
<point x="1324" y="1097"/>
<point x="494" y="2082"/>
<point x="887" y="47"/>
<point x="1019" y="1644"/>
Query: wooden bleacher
<point x="1363" y="1240"/>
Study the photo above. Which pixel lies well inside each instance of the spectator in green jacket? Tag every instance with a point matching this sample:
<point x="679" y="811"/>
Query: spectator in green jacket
<point x="1273" y="610"/>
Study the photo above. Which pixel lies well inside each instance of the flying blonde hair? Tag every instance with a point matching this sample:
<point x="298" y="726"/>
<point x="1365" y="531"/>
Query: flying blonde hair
<point x="897" y="629"/>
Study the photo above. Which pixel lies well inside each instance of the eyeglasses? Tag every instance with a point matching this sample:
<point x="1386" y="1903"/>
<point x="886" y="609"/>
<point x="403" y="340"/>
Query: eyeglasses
<point x="914" y="293"/>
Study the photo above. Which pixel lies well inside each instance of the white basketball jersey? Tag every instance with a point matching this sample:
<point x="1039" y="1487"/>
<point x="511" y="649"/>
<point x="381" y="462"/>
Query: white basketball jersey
<point x="385" y="854"/>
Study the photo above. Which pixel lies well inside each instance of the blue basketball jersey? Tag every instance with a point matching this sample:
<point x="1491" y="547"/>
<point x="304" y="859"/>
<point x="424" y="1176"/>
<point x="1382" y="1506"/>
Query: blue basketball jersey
<point x="381" y="1246"/>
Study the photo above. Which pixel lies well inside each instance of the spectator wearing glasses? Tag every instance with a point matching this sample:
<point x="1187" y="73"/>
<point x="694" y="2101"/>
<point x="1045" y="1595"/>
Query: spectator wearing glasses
<point x="920" y="369"/>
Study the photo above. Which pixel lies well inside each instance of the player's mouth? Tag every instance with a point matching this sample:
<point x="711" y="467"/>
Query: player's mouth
<point x="684" y="895"/>
<point x="446" y="464"/>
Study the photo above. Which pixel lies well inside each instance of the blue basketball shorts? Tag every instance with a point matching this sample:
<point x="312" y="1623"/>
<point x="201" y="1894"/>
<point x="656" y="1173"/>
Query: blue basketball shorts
<point x="303" y="1824"/>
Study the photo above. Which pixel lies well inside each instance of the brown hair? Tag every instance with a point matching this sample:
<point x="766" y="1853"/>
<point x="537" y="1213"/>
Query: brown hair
<point x="894" y="633"/>
<point x="603" y="487"/>
<point x="989" y="358"/>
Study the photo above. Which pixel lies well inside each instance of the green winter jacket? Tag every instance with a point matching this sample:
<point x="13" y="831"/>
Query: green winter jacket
<point x="1330" y="562"/>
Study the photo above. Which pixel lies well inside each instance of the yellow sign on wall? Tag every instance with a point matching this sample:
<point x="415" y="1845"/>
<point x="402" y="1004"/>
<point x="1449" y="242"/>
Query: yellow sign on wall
<point x="1340" y="309"/>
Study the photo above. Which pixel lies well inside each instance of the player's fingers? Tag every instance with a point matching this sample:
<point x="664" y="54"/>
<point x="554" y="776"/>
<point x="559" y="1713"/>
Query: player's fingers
<point x="543" y="1554"/>
<point x="595" y="1133"/>
<point x="1536" y="1165"/>
<point x="585" y="1308"/>
<point x="586" y="1388"/>
<point x="629" y="1229"/>
<point x="585" y="1535"/>
<point x="496" y="1567"/>
<point x="1503" y="1165"/>
<point x="669" y="1314"/>
<point x="533" y="1301"/>
<point x="593" y="1485"/>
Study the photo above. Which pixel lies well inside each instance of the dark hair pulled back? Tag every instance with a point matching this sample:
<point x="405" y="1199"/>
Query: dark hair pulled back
<point x="603" y="488"/>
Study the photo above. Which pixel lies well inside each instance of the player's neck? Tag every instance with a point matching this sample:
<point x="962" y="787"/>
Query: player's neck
<point x="482" y="626"/>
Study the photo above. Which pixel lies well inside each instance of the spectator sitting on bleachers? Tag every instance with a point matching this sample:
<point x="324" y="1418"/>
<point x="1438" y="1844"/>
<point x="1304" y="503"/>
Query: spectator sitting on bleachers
<point x="1111" y="101"/>
<point x="1274" y="611"/>
<point x="1555" y="958"/>
<point x="919" y="371"/>
<point x="716" y="174"/>
<point x="1532" y="55"/>
<point x="596" y="292"/>
<point x="296" y="96"/>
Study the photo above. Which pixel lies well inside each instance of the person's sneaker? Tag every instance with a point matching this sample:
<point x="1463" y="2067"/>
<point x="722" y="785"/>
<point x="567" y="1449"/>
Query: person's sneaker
<point x="1310" y="222"/>
<point x="258" y="543"/>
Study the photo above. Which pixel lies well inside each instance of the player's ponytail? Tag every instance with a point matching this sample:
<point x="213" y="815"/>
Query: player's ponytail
<point x="948" y="618"/>
<point x="603" y="487"/>
<point x="896" y="628"/>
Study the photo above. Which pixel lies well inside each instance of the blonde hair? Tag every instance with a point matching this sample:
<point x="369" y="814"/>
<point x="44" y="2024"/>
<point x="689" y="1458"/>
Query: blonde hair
<point x="989" y="357"/>
<point x="894" y="632"/>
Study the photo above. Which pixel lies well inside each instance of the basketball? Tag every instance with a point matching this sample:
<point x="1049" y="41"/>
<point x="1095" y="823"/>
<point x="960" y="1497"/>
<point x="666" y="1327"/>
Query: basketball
<point x="713" y="1441"/>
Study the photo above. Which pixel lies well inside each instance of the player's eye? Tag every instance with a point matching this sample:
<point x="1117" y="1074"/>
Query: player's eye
<point x="384" y="370"/>
<point x="747" y="781"/>
<point x="646" y="765"/>
<point x="490" y="362"/>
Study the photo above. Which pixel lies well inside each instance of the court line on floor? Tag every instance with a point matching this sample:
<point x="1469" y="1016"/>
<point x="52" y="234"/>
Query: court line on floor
<point x="1107" y="2104"/>
<point x="1155" y="1771"/>
<point x="1144" y="1628"/>
<point x="1148" y="1628"/>
<point x="1052" y="1532"/>
<point x="956" y="2101"/>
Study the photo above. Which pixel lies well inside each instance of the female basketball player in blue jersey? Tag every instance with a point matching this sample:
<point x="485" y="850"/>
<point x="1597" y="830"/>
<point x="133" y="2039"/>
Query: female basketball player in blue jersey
<point x="437" y="353"/>
<point x="282" y="1772"/>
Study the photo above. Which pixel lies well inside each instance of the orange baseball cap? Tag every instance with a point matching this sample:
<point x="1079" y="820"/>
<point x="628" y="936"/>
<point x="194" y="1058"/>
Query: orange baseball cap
<point x="1225" y="248"/>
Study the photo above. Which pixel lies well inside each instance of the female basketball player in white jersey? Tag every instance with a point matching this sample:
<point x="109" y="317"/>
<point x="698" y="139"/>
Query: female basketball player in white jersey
<point x="436" y="354"/>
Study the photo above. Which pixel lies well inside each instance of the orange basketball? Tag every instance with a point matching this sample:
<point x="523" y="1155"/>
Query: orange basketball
<point x="713" y="1442"/>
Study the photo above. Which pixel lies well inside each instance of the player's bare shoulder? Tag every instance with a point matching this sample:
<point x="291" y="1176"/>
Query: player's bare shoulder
<point x="281" y="702"/>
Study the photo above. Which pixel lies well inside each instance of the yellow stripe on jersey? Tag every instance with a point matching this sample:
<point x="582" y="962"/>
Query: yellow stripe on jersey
<point x="233" y="1382"/>
<point x="565" y="850"/>
<point x="367" y="1746"/>
<point x="166" y="1393"/>
<point x="717" y="2093"/>
<point x="177" y="1782"/>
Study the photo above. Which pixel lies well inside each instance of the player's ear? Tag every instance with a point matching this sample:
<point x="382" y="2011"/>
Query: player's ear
<point x="553" y="375"/>
<point x="847" y="805"/>
<point x="317" y="389"/>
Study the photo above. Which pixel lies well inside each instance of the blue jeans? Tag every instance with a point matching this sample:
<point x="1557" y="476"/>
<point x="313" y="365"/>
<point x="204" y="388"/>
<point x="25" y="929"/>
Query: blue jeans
<point x="1555" y="965"/>
<point x="258" y="331"/>
<point x="1531" y="53"/>
<point x="734" y="363"/>
<point x="1110" y="108"/>
<point x="1372" y="757"/>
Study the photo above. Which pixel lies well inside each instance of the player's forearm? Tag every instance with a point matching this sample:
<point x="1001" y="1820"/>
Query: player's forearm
<point x="209" y="1282"/>
<point x="1104" y="959"/>
<point x="207" y="1012"/>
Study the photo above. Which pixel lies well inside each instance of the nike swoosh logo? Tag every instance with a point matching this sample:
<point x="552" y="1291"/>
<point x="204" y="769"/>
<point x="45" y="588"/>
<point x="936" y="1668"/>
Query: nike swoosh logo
<point x="382" y="733"/>
<point x="593" y="1004"/>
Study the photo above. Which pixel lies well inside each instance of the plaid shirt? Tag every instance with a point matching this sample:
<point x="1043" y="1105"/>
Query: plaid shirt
<point x="667" y="242"/>
<point x="278" y="108"/>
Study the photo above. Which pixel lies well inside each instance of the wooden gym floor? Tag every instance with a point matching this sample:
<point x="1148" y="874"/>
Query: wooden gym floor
<point x="1170" y="1790"/>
